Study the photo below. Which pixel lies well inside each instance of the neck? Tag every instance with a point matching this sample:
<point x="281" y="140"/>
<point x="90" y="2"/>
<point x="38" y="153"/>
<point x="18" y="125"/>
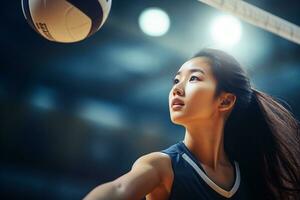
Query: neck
<point x="205" y="141"/>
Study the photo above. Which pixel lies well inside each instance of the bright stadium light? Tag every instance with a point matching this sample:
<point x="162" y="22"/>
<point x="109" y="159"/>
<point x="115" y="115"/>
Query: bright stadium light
<point x="154" y="22"/>
<point x="226" y="30"/>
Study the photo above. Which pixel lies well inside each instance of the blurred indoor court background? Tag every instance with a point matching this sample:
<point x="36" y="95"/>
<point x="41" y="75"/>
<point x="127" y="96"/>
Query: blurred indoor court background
<point x="74" y="116"/>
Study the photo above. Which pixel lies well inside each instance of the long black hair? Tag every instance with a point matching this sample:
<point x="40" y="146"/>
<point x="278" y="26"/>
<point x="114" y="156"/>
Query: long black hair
<point x="261" y="132"/>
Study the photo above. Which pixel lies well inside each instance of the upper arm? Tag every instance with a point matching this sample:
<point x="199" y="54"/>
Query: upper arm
<point x="146" y="173"/>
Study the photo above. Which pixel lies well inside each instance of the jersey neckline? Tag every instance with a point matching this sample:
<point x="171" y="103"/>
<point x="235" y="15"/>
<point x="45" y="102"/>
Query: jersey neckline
<point x="192" y="161"/>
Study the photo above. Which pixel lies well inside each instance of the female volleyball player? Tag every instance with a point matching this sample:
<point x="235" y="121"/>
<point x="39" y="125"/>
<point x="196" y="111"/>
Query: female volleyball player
<point x="239" y="143"/>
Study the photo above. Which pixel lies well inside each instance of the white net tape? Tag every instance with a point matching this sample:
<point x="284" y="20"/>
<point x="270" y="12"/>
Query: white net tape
<point x="258" y="17"/>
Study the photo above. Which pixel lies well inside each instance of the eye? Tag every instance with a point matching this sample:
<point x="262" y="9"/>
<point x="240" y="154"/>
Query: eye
<point x="175" y="81"/>
<point x="192" y="78"/>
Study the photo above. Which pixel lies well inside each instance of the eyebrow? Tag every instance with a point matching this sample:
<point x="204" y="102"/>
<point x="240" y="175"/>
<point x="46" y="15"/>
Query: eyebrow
<point x="191" y="71"/>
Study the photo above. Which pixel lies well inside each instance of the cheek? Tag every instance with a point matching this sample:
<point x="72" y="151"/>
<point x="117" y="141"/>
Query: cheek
<point x="200" y="101"/>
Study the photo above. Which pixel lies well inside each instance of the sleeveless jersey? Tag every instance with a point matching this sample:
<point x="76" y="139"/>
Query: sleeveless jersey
<point x="192" y="183"/>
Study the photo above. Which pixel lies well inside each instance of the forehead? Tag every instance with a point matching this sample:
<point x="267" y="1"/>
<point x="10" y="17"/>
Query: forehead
<point x="202" y="63"/>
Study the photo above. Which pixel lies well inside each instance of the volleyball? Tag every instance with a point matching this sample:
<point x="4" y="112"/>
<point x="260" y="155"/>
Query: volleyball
<point x="66" y="21"/>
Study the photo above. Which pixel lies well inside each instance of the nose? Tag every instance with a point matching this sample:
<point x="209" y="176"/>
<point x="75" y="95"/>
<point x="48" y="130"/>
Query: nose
<point x="178" y="91"/>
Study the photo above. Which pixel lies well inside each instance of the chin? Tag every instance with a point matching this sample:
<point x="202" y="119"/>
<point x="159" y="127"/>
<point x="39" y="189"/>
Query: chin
<point x="177" y="120"/>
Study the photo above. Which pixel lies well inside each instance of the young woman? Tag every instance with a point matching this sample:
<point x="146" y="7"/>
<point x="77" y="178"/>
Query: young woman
<point x="239" y="143"/>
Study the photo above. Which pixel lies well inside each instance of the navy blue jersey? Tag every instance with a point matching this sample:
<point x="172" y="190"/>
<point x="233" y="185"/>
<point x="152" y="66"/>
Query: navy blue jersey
<point x="192" y="183"/>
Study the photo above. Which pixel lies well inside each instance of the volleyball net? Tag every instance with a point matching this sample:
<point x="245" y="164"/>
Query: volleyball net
<point x="258" y="17"/>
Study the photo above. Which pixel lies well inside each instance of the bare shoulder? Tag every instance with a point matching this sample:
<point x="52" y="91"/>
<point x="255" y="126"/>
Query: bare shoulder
<point x="149" y="173"/>
<point x="156" y="159"/>
<point x="162" y="164"/>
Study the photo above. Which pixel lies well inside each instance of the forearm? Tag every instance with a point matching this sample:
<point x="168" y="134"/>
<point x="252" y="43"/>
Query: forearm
<point x="107" y="191"/>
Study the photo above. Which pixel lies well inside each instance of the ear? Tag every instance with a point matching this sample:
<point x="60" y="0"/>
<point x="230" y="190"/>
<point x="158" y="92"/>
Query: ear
<point x="226" y="101"/>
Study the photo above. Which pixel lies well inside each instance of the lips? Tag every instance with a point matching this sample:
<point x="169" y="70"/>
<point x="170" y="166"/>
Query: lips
<point x="177" y="102"/>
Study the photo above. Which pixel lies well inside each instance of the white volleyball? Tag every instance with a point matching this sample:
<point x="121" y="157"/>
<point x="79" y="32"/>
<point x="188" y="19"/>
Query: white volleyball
<point x="66" y="20"/>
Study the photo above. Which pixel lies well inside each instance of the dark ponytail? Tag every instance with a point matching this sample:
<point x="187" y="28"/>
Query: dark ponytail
<point x="280" y="148"/>
<point x="260" y="133"/>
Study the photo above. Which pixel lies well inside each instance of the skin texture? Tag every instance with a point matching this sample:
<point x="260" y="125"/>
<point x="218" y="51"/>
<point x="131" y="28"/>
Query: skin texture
<point x="203" y="117"/>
